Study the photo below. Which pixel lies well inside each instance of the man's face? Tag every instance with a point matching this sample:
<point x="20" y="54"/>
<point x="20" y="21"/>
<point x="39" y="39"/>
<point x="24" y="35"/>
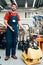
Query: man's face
<point x="13" y="7"/>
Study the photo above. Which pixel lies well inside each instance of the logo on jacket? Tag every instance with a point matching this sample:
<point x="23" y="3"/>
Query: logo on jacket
<point x="13" y="21"/>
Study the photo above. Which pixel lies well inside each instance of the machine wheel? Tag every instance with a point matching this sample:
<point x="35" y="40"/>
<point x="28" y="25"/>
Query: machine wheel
<point x="31" y="60"/>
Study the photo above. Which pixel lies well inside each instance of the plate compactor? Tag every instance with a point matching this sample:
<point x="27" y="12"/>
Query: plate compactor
<point x="31" y="53"/>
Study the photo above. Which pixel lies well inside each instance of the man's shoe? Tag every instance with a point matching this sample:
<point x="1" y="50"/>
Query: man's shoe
<point x="7" y="57"/>
<point x="14" y="57"/>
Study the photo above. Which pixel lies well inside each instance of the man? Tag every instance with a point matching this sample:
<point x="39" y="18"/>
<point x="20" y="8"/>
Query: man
<point x="12" y="20"/>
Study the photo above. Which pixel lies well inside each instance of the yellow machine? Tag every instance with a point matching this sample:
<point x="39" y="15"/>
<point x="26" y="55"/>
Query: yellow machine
<point x="31" y="53"/>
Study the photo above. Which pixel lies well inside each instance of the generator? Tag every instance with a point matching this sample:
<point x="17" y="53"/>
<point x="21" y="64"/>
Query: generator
<point x="31" y="53"/>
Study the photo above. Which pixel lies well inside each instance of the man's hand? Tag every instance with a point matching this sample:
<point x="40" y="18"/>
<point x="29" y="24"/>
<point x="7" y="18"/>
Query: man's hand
<point x="11" y="28"/>
<point x="25" y="30"/>
<point x="5" y="21"/>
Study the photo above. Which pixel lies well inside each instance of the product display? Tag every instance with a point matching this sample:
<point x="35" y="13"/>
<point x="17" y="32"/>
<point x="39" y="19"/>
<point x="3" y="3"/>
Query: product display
<point x="21" y="32"/>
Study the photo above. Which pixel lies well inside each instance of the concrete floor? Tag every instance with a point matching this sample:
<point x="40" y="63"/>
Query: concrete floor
<point x="12" y="61"/>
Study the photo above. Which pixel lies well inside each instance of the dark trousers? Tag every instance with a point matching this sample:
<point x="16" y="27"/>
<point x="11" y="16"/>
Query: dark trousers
<point x="11" y="42"/>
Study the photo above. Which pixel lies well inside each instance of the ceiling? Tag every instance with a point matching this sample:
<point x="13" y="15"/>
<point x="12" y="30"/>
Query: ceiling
<point x="6" y="4"/>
